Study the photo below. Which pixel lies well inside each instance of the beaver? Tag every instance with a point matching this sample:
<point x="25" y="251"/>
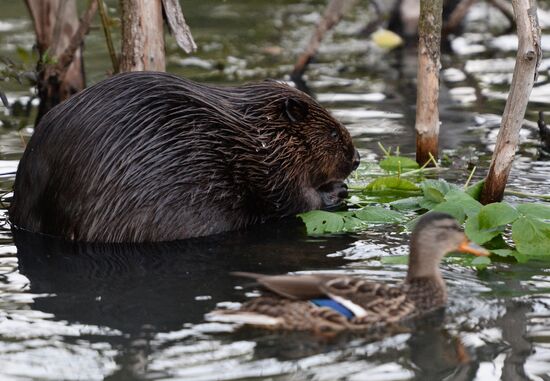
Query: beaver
<point x="149" y="156"/>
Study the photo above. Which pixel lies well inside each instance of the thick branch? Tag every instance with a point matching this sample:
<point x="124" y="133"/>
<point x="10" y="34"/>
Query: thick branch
<point x="527" y="61"/>
<point x="142" y="36"/>
<point x="427" y="96"/>
<point x="178" y="26"/>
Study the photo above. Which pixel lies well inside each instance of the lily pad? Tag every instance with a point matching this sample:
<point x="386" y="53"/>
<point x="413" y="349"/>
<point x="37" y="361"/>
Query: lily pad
<point x="541" y="211"/>
<point x="319" y="222"/>
<point x="478" y="235"/>
<point x="532" y="236"/>
<point x="376" y="214"/>
<point x="391" y="186"/>
<point x="496" y="214"/>
<point x="398" y="163"/>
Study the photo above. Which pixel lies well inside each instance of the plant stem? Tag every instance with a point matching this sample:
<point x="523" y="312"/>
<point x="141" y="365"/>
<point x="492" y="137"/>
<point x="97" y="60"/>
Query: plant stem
<point x="386" y="153"/>
<point x="530" y="195"/>
<point x="470" y="177"/>
<point x="108" y="37"/>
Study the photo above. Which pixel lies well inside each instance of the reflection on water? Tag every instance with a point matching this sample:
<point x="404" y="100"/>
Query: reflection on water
<point x="120" y="312"/>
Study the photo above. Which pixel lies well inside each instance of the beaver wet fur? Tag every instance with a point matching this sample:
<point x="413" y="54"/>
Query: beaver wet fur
<point x="150" y="156"/>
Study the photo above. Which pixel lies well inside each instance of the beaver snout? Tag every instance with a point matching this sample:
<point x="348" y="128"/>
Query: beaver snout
<point x="356" y="160"/>
<point x="333" y="195"/>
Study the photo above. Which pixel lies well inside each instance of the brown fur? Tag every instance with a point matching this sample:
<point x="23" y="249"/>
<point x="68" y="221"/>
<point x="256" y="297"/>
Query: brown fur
<point x="153" y="157"/>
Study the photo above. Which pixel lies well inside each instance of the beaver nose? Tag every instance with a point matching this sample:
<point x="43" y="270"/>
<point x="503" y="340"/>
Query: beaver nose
<point x="356" y="160"/>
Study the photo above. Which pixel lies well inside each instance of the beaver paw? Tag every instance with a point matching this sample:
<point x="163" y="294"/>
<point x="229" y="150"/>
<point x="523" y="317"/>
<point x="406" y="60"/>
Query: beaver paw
<point x="333" y="195"/>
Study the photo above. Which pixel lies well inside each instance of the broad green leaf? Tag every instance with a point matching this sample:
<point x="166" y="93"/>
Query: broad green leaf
<point x="434" y="195"/>
<point x="454" y="209"/>
<point x="478" y="235"/>
<point x="405" y="204"/>
<point x="391" y="187"/>
<point x="475" y="190"/>
<point x="395" y="260"/>
<point x="441" y="185"/>
<point x="531" y="236"/>
<point x="398" y="163"/>
<point x="409" y="225"/>
<point x="497" y="214"/>
<point x="319" y="222"/>
<point x="481" y="262"/>
<point x="468" y="204"/>
<point x="376" y="214"/>
<point x="504" y="252"/>
<point x="541" y="211"/>
<point x="434" y="192"/>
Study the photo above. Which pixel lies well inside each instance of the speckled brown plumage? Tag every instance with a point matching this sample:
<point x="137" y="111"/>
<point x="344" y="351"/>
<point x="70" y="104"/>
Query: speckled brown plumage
<point x="287" y="304"/>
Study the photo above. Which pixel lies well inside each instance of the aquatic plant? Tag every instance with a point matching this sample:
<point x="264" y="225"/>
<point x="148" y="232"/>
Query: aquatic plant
<point x="520" y="231"/>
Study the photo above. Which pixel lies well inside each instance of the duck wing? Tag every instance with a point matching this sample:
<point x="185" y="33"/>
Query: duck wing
<point x="370" y="301"/>
<point x="295" y="287"/>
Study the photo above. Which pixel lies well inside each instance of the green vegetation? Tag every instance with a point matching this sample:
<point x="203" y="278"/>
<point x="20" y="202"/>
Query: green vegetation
<point x="514" y="232"/>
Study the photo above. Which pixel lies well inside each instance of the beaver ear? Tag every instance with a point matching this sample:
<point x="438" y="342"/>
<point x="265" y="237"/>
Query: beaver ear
<point x="295" y="110"/>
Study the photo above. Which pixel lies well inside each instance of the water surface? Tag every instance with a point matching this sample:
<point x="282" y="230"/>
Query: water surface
<point x="120" y="312"/>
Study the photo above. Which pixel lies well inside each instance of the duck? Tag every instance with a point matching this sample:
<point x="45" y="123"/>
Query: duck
<point x="332" y="303"/>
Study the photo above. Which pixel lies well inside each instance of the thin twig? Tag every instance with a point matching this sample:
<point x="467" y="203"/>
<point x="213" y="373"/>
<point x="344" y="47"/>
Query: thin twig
<point x="529" y="195"/>
<point x="470" y="177"/>
<point x="67" y="57"/>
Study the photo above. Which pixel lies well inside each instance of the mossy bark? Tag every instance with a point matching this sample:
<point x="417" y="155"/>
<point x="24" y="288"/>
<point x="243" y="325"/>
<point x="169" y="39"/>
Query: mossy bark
<point x="427" y="110"/>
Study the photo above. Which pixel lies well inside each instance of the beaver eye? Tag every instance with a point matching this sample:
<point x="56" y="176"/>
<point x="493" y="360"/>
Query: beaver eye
<point x="334" y="133"/>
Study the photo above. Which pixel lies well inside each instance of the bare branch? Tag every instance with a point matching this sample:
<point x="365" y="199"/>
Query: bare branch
<point x="527" y="61"/>
<point x="178" y="26"/>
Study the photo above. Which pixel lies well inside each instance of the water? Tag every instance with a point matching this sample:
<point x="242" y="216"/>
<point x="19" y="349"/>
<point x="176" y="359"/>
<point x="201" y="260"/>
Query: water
<point x="120" y="312"/>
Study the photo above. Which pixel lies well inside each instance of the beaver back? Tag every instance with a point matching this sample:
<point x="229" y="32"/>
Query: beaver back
<point x="152" y="157"/>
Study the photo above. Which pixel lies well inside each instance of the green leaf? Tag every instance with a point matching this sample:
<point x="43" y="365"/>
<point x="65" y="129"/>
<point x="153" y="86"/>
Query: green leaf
<point x="441" y="185"/>
<point x="376" y="214"/>
<point x="452" y="208"/>
<point x="391" y="188"/>
<point x="475" y="190"/>
<point x="468" y="204"/>
<point x="481" y="262"/>
<point x="409" y="203"/>
<point x="392" y="183"/>
<point x="319" y="222"/>
<point x="395" y="260"/>
<point x="398" y="163"/>
<point x="409" y="225"/>
<point x="497" y="214"/>
<point x="478" y="235"/>
<point x="504" y="252"/>
<point x="434" y="192"/>
<point x="541" y="211"/>
<point x="531" y="236"/>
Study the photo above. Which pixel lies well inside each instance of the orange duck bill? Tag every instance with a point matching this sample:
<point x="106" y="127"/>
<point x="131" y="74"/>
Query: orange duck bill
<point x="470" y="247"/>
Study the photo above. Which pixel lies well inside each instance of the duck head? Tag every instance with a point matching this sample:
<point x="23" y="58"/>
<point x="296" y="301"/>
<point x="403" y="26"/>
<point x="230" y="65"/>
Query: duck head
<point x="435" y="235"/>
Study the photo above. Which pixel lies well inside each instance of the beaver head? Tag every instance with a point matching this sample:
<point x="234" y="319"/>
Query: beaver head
<point x="303" y="150"/>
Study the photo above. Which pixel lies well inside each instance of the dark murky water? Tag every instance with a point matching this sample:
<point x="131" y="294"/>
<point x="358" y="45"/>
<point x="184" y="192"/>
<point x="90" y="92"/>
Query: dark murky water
<point x="122" y="312"/>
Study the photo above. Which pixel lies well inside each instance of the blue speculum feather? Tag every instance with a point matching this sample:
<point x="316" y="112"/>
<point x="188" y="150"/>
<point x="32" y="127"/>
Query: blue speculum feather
<point x="334" y="305"/>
